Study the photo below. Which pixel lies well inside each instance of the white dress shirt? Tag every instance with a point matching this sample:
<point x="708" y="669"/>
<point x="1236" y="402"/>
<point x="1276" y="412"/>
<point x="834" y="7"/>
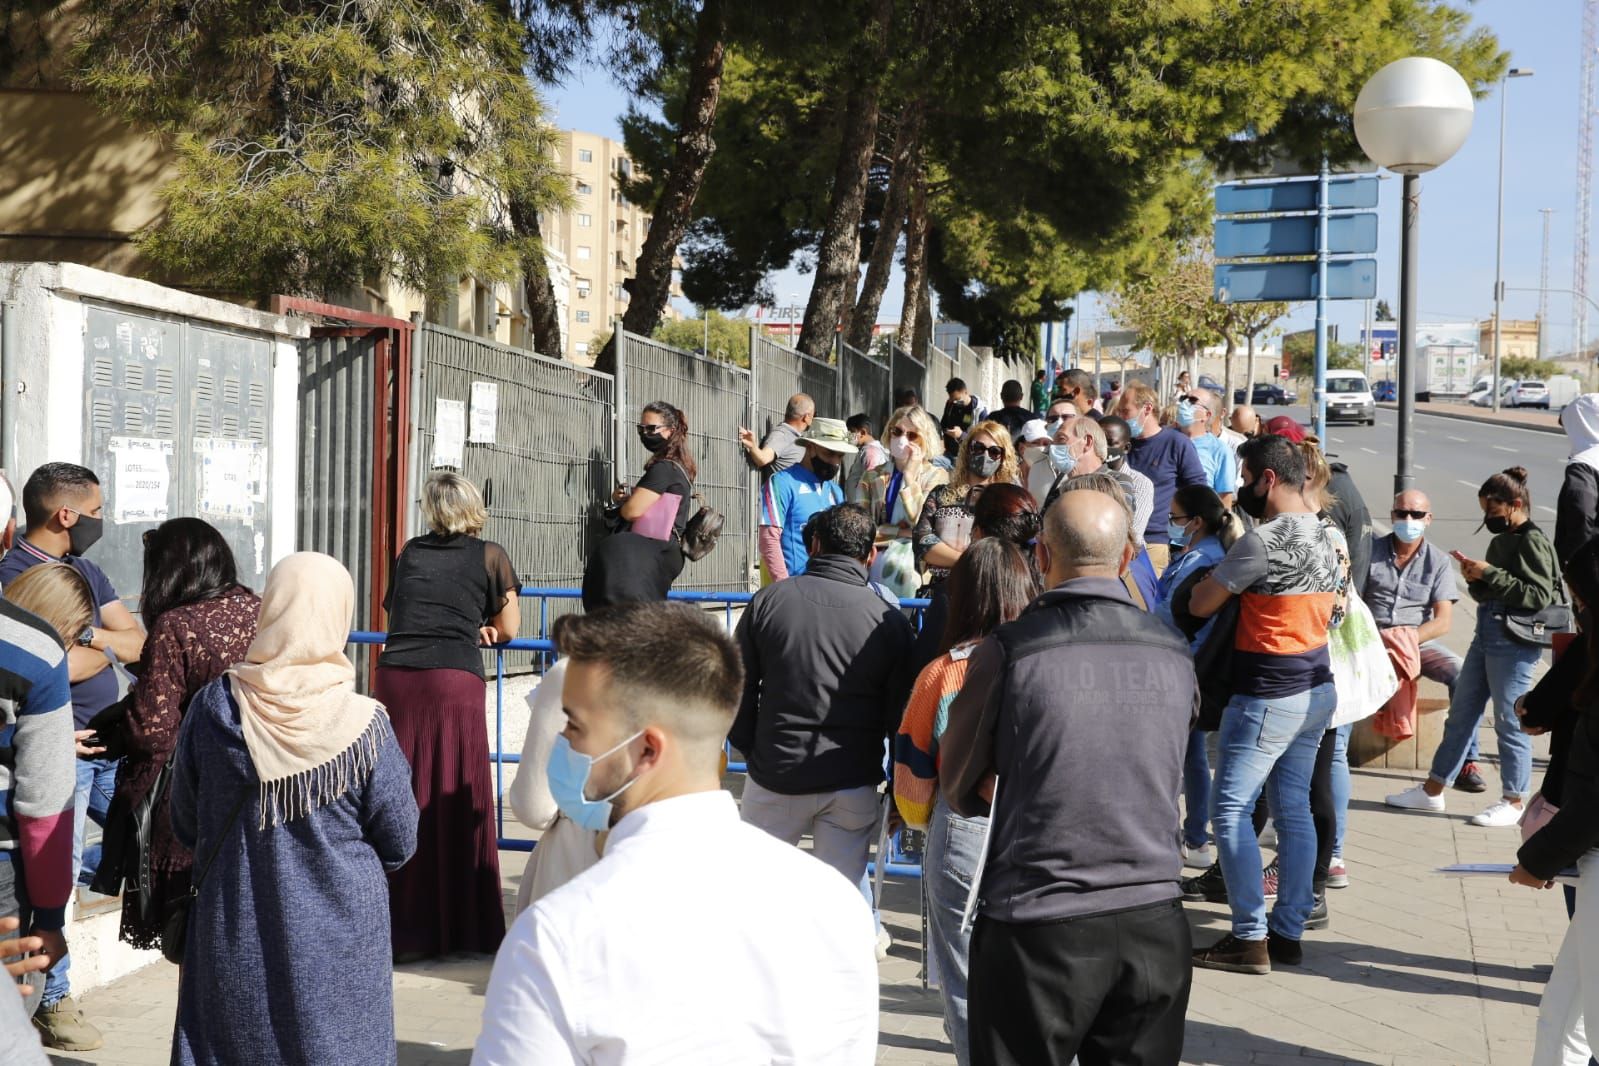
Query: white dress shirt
<point x="696" y="939"/>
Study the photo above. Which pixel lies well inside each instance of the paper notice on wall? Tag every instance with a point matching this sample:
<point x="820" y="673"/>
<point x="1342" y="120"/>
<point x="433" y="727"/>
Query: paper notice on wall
<point x="140" y="479"/>
<point x="449" y="433"/>
<point x="230" y="476"/>
<point x="485" y="412"/>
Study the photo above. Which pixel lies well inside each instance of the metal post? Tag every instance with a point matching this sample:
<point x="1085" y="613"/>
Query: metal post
<point x="1318" y="411"/>
<point x="10" y="319"/>
<point x="1367" y="341"/>
<point x="619" y="403"/>
<point x="1409" y="238"/>
<point x="1499" y="241"/>
<point x="1543" y="285"/>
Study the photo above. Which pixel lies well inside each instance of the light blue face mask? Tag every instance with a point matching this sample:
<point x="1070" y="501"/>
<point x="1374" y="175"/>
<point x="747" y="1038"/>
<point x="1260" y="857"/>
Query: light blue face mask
<point x="1410" y="530"/>
<point x="1185" y="414"/>
<point x="568" y="773"/>
<point x="1061" y="459"/>
<point x="1177" y="534"/>
<point x="1135" y="426"/>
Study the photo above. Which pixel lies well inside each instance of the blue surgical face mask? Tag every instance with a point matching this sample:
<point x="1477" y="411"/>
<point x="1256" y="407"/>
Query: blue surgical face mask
<point x="568" y="773"/>
<point x="1135" y="426"/>
<point x="1177" y="534"/>
<point x="1185" y="414"/>
<point x="1061" y="459"/>
<point x="1410" y="530"/>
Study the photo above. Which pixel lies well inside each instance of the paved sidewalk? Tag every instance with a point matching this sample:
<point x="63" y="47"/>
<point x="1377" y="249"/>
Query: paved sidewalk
<point x="1417" y="969"/>
<point x="1520" y="417"/>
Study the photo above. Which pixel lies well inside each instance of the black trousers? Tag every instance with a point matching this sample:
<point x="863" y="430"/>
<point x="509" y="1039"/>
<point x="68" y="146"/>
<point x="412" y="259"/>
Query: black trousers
<point x="1323" y="813"/>
<point x="1111" y="990"/>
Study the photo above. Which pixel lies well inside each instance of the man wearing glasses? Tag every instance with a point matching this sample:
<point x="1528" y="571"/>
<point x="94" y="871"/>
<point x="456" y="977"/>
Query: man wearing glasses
<point x="1198" y="415"/>
<point x="1412" y="585"/>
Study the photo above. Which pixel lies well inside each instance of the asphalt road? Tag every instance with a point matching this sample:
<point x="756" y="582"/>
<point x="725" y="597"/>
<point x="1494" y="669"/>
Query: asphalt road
<point x="1452" y="459"/>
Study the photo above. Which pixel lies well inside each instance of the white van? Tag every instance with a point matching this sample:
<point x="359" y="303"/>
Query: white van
<point x="1349" y="398"/>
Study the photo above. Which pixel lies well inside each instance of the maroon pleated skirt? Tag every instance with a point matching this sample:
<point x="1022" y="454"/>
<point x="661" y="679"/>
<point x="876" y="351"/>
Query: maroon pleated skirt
<point x="447" y="898"/>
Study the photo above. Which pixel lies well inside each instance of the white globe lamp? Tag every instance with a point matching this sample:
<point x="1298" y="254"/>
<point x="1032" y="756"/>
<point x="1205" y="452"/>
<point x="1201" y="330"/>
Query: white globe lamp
<point x="1413" y="115"/>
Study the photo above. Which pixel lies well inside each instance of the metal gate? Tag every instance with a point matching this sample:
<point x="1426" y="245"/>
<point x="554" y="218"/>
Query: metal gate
<point x="780" y="372"/>
<point x="175" y="420"/>
<point x="865" y="385"/>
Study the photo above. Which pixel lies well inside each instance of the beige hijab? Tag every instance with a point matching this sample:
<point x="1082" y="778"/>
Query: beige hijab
<point x="311" y="737"/>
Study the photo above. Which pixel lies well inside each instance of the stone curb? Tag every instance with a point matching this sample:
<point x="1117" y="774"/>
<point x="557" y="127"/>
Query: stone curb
<point x="1463" y="416"/>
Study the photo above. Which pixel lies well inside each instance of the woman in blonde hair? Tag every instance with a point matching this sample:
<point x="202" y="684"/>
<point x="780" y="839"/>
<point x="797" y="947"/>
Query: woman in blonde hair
<point x="896" y="503"/>
<point x="450" y="593"/>
<point x="944" y="528"/>
<point x="58" y="594"/>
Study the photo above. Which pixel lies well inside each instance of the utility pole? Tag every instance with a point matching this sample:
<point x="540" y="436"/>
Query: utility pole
<point x="1543" y="287"/>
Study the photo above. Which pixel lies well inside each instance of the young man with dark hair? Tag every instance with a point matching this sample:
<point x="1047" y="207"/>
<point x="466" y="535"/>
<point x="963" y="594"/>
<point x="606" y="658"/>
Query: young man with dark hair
<point x="1077" y="386"/>
<point x="871" y="459"/>
<point x="1040" y="393"/>
<point x="962" y="411"/>
<point x="670" y="940"/>
<point x="1164" y="455"/>
<point x="64" y="506"/>
<point x="1287" y="573"/>
<point x="827" y="670"/>
<point x="1013" y="416"/>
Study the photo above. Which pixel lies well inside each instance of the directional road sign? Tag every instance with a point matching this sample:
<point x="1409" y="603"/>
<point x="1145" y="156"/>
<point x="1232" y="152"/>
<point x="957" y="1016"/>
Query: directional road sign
<point x="1347" y="279"/>
<point x="1238" y="238"/>
<point x="1255" y="199"/>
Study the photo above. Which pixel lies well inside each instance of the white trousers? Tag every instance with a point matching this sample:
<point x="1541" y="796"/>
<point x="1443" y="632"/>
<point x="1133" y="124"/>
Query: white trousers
<point x="1573" y="989"/>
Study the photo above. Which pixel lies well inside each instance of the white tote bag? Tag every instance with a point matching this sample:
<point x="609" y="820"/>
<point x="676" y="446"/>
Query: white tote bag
<point x="1362" y="672"/>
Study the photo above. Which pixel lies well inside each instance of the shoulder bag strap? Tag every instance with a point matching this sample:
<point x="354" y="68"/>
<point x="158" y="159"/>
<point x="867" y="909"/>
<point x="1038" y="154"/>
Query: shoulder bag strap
<point x="226" y="828"/>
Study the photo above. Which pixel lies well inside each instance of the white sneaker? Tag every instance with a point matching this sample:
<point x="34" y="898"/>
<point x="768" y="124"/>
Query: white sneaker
<point x="1200" y="858"/>
<point x="884" y="942"/>
<point x="1415" y="798"/>
<point x="1499" y="815"/>
<point x="1268" y="835"/>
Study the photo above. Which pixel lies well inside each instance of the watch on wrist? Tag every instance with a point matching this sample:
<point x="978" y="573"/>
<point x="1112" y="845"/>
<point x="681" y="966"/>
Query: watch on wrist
<point x="86" y="638"/>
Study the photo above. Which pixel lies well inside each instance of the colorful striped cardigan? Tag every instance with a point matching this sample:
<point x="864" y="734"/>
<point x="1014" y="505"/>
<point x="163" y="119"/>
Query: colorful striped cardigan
<point x="916" y="745"/>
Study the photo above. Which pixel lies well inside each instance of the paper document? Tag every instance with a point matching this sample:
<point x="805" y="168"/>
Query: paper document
<point x="449" y="433"/>
<point x="485" y="412"/>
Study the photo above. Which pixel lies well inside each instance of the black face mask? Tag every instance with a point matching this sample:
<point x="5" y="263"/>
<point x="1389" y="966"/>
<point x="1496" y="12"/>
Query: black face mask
<point x="1115" y="457"/>
<point x="85" y="532"/>
<point x="823" y="469"/>
<point x="653" y="442"/>
<point x="982" y="465"/>
<point x="1496" y="524"/>
<point x="1252" y="501"/>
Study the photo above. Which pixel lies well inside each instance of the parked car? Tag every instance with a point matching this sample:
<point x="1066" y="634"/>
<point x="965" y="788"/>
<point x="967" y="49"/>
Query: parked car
<point x="1263" y="394"/>
<point x="1484" y="397"/>
<point x="1349" y="398"/>
<point x="1290" y="394"/>
<point x="1385" y="391"/>
<point x="1529" y="394"/>
<point x="1208" y="382"/>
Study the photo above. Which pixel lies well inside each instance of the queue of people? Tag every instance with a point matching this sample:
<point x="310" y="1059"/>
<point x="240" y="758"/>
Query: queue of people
<point x="257" y="806"/>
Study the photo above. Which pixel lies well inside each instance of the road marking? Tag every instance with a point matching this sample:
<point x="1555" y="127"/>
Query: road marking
<point x="1371" y="451"/>
<point x="1468" y="484"/>
<point x="1460" y="440"/>
<point x="1502" y="448"/>
<point x="1420" y="467"/>
<point x="1551" y="510"/>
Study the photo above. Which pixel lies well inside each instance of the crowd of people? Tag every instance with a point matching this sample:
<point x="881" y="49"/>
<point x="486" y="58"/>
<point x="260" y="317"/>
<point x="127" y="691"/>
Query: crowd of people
<point x="288" y="840"/>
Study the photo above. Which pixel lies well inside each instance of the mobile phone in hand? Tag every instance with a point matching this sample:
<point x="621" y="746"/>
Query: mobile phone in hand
<point x="1458" y="556"/>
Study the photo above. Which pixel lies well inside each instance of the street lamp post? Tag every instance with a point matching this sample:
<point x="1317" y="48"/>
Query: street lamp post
<point x="1411" y="117"/>
<point x="1499" y="240"/>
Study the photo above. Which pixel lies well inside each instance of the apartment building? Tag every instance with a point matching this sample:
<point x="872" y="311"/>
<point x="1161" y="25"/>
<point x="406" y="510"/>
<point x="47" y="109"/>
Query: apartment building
<point x="599" y="238"/>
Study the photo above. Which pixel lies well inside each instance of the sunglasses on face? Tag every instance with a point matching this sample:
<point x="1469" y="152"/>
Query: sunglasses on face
<point x="1398" y="513"/>
<point x="993" y="451"/>
<point x="1181" y="519"/>
<point x="908" y="434"/>
<point x="1190" y="399"/>
<point x="649" y="429"/>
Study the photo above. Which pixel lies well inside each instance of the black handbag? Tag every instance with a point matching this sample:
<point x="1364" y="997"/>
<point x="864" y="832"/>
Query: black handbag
<point x="702" y="531"/>
<point x="175" y="927"/>
<point x="1537" y="629"/>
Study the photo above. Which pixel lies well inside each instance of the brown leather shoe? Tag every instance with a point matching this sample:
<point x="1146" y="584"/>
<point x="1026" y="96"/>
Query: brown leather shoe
<point x="1234" y="956"/>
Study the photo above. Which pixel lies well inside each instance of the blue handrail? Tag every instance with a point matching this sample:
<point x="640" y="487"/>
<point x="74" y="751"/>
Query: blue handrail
<point x="895" y="867"/>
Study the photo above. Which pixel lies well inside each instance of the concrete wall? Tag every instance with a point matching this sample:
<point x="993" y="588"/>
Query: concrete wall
<point x="51" y="302"/>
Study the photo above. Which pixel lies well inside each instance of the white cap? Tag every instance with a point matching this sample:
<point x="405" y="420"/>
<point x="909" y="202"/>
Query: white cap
<point x="8" y="501"/>
<point x="1034" y="429"/>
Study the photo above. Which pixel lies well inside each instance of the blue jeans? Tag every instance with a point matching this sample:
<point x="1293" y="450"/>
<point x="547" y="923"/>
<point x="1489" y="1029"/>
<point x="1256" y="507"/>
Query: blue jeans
<point x="1196" y="792"/>
<point x="1497" y="669"/>
<point x="1340" y="785"/>
<point x="954" y="845"/>
<point x="97" y="782"/>
<point x="1269" y="743"/>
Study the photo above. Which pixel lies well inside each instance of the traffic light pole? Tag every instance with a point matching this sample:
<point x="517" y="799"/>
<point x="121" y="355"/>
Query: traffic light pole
<point x="1409" y="237"/>
<point x="1318" y="402"/>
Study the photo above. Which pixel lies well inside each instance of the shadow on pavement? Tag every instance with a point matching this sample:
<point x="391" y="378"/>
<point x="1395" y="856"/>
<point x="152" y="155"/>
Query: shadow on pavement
<point x="412" y="1054"/>
<point x="1209" y="1044"/>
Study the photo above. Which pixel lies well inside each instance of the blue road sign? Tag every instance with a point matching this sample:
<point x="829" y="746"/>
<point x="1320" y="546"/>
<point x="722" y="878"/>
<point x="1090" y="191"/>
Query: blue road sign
<point x="1347" y="279"/>
<point x="1238" y="238"/>
<point x="1298" y="195"/>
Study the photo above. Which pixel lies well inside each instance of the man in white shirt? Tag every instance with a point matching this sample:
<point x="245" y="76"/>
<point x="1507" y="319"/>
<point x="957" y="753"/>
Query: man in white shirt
<point x="696" y="938"/>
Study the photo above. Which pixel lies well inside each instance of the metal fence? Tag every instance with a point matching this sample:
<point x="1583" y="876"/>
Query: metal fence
<point x="716" y="398"/>
<point x="547" y="471"/>
<point x="780" y="372"/>
<point x="940" y="368"/>
<point x="908" y="372"/>
<point x="865" y="384"/>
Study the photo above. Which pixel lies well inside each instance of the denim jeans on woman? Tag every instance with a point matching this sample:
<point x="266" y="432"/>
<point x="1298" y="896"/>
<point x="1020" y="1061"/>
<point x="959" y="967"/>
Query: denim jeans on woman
<point x="1269" y="743"/>
<point x="1498" y="669"/>
<point x="954" y="845"/>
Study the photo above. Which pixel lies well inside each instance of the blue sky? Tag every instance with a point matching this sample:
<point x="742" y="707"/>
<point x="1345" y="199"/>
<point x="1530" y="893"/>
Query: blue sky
<point x="1458" y="199"/>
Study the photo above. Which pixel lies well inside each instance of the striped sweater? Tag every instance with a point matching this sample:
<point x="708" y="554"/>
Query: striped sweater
<point x="38" y="772"/>
<point x="916" y="746"/>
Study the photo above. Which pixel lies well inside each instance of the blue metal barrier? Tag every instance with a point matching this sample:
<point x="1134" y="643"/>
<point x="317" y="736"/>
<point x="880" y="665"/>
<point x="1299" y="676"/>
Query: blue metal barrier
<point x="898" y="862"/>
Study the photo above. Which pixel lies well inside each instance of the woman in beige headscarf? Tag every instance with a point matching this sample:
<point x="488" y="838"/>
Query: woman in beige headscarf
<point x="292" y="793"/>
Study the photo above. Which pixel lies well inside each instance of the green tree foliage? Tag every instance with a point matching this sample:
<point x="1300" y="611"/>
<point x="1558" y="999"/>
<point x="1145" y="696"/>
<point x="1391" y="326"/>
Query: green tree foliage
<point x="1384" y="313"/>
<point x="1300" y="351"/>
<point x="322" y="144"/>
<point x="1520" y="367"/>
<point x="730" y="337"/>
<point x="1173" y="308"/>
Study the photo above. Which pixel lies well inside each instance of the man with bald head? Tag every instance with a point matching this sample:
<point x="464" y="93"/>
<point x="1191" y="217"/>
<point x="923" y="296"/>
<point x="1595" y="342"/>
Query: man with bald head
<point x="781" y="449"/>
<point x="1411" y="585"/>
<point x="1070" y="733"/>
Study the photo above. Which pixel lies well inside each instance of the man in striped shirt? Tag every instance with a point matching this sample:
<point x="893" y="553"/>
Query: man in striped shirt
<point x="37" y="773"/>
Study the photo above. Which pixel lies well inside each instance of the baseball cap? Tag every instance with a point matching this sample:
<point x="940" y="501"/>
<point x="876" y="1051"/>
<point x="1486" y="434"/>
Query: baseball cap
<point x="1034" y="430"/>
<point x="1284" y="426"/>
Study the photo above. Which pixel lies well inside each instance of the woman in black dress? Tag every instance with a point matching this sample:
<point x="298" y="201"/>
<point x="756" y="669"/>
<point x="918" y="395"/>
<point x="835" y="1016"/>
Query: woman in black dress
<point x="451" y="592"/>
<point x="640" y="561"/>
